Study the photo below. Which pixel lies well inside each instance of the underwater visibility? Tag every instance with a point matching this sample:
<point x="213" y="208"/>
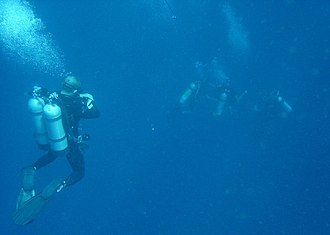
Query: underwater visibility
<point x="165" y="117"/>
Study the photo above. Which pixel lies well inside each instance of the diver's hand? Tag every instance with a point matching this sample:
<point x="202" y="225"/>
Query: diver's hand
<point x="86" y="95"/>
<point x="88" y="101"/>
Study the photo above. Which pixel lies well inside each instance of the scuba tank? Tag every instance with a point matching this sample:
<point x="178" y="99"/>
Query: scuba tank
<point x="192" y="89"/>
<point x="54" y="126"/>
<point x="35" y="106"/>
<point x="221" y="104"/>
<point x="47" y="118"/>
<point x="285" y="106"/>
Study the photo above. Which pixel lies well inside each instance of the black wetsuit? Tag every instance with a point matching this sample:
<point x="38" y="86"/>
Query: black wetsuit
<point x="73" y="110"/>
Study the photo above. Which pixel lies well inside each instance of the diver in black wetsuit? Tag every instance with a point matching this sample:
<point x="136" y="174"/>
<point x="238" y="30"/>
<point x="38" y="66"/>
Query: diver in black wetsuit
<point x="75" y="105"/>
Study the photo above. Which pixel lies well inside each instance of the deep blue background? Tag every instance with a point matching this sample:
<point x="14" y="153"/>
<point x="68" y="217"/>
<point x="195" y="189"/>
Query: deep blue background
<point x="193" y="175"/>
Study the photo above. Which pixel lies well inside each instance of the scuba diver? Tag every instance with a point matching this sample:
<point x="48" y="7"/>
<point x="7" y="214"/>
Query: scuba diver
<point x="221" y="94"/>
<point x="271" y="113"/>
<point x="274" y="105"/>
<point x="282" y="105"/>
<point x="223" y="97"/>
<point x="189" y="97"/>
<point x="212" y="89"/>
<point x="56" y="117"/>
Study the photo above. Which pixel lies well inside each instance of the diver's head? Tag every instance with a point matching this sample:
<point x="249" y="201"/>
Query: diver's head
<point x="71" y="86"/>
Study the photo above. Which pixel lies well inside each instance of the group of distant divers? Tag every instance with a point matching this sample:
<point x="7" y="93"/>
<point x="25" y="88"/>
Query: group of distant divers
<point x="214" y="86"/>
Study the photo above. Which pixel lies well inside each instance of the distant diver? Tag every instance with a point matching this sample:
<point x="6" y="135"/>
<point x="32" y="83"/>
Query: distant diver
<point x="213" y="87"/>
<point x="274" y="105"/>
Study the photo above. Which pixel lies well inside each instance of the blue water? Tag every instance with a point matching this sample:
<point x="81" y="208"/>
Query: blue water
<point x="146" y="173"/>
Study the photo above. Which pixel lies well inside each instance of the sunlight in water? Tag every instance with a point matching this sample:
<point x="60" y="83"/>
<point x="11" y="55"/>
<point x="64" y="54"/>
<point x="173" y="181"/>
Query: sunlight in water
<point x="23" y="36"/>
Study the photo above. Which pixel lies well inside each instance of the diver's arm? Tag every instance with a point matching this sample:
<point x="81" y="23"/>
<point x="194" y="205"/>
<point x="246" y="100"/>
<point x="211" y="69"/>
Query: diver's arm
<point x="239" y="97"/>
<point x="92" y="113"/>
<point x="89" y="109"/>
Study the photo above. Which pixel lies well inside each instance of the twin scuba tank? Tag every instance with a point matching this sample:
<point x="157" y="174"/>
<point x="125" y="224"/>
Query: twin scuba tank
<point x="285" y="107"/>
<point x="221" y="104"/>
<point x="189" y="93"/>
<point x="47" y="117"/>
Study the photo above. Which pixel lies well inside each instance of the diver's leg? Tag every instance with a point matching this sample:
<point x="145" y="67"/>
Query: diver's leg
<point x="45" y="160"/>
<point x="28" y="177"/>
<point x="32" y="207"/>
<point x="28" y="188"/>
<point x="77" y="163"/>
